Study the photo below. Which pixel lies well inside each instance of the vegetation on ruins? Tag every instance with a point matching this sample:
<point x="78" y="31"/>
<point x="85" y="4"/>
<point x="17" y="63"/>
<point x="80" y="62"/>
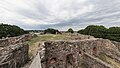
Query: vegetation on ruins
<point x="51" y="31"/>
<point x="10" y="30"/>
<point x="112" y="33"/>
<point x="47" y="37"/>
<point x="70" y="30"/>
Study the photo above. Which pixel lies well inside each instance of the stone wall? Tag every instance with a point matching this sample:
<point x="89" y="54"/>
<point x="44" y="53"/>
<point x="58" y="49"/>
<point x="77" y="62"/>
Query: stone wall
<point x="14" y="52"/>
<point x="93" y="62"/>
<point x="117" y="44"/>
<point x="14" y="40"/>
<point x="76" y="36"/>
<point x="39" y="60"/>
<point x="4" y="42"/>
<point x="71" y="54"/>
<point x="14" y="56"/>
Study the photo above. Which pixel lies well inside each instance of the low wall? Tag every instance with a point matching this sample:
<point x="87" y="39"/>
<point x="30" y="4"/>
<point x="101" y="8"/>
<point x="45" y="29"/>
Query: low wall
<point x="14" y="40"/>
<point x="76" y="36"/>
<point x="36" y="62"/>
<point x="117" y="44"/>
<point x="92" y="62"/>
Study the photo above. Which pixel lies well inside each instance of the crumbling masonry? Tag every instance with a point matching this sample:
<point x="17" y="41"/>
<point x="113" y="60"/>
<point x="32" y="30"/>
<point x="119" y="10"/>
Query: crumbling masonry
<point x="76" y="54"/>
<point x="13" y="52"/>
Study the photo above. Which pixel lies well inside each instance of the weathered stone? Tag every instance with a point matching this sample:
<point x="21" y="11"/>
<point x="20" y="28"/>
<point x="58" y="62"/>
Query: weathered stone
<point x="14" y="53"/>
<point x="77" y="53"/>
<point x="14" y="40"/>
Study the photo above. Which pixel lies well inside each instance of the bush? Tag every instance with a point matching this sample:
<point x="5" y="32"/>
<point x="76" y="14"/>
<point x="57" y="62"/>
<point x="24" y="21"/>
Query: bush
<point x="70" y="30"/>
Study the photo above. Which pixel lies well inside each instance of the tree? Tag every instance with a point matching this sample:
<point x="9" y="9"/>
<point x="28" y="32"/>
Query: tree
<point x="95" y="30"/>
<point x="70" y="30"/>
<point x="113" y="33"/>
<point x="51" y="31"/>
<point x="10" y="30"/>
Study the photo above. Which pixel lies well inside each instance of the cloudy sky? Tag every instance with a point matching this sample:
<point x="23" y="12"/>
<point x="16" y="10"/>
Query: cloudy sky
<point x="60" y="14"/>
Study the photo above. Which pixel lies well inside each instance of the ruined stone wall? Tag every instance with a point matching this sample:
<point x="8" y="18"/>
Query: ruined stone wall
<point x="70" y="54"/>
<point x="14" y="56"/>
<point x="117" y="44"/>
<point x="76" y="36"/>
<point x="93" y="62"/>
<point x="110" y="50"/>
<point x="98" y="46"/>
<point x="14" y="40"/>
<point x="4" y="42"/>
<point x="14" y="52"/>
<point x="58" y="54"/>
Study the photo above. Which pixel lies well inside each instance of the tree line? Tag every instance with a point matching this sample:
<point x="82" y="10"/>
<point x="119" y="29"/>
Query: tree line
<point x="55" y="31"/>
<point x="10" y="30"/>
<point x="112" y="33"/>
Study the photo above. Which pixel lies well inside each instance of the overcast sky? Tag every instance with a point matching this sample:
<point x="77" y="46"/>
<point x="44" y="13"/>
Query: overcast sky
<point x="60" y="14"/>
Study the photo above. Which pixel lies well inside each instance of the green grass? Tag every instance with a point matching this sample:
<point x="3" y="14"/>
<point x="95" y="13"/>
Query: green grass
<point x="46" y="37"/>
<point x="102" y="56"/>
<point x="34" y="42"/>
<point x="109" y="60"/>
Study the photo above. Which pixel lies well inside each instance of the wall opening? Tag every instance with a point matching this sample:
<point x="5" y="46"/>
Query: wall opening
<point x="80" y="52"/>
<point x="94" y="50"/>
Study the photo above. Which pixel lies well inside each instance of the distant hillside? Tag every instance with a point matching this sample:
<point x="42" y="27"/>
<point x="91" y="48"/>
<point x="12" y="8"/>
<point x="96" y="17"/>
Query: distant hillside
<point x="10" y="30"/>
<point x="35" y="31"/>
<point x="112" y="33"/>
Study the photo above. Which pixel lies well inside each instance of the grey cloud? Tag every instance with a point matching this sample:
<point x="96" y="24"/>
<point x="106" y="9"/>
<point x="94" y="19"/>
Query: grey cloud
<point x="34" y="13"/>
<point x="105" y="12"/>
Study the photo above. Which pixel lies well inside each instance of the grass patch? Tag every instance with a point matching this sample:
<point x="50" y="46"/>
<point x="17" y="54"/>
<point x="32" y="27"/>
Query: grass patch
<point x="112" y="62"/>
<point x="109" y="60"/>
<point x="34" y="42"/>
<point x="102" y="56"/>
<point x="47" y="37"/>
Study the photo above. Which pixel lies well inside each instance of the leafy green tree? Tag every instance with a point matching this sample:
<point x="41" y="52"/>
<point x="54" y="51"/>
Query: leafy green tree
<point x="113" y="33"/>
<point x="98" y="31"/>
<point x="10" y="30"/>
<point x="70" y="30"/>
<point x="51" y="31"/>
